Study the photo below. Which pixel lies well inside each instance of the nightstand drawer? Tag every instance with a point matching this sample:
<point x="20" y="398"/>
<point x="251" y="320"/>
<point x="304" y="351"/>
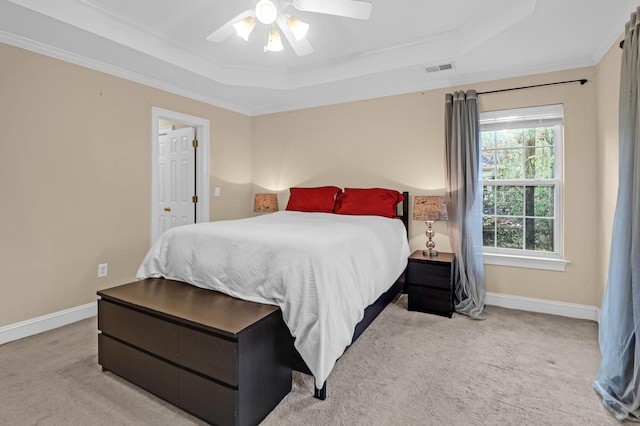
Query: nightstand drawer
<point x="432" y="274"/>
<point x="430" y="300"/>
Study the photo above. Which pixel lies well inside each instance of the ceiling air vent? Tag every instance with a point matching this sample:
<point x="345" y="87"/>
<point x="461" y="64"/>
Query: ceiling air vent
<point x="437" y="68"/>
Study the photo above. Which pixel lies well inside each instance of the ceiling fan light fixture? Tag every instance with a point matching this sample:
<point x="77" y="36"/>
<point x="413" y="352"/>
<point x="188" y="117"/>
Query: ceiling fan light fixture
<point x="245" y="27"/>
<point x="274" y="41"/>
<point x="266" y="12"/>
<point x="297" y="27"/>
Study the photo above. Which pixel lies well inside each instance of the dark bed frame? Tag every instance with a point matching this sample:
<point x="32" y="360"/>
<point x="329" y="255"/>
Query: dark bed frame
<point x="370" y="313"/>
<point x="160" y="335"/>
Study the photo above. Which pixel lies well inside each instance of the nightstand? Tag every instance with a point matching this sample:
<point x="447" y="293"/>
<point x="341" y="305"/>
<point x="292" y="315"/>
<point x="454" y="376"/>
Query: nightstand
<point x="430" y="283"/>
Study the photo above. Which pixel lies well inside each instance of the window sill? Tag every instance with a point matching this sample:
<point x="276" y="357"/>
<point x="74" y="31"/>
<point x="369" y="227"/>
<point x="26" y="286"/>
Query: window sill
<point x="525" y="262"/>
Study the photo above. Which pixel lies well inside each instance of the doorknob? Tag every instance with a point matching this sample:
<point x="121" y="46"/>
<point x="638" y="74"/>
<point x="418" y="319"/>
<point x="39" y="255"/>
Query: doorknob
<point x="167" y="209"/>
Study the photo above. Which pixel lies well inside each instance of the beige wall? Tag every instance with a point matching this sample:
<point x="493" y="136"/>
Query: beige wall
<point x="75" y="179"/>
<point x="398" y="142"/>
<point x="608" y="85"/>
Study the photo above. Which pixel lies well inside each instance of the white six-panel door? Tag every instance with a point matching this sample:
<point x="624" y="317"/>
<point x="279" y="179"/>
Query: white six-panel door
<point x="176" y="175"/>
<point x="198" y="177"/>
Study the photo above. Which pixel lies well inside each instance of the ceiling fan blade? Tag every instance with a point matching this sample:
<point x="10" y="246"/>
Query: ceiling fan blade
<point x="301" y="47"/>
<point x="226" y="30"/>
<point x="349" y="8"/>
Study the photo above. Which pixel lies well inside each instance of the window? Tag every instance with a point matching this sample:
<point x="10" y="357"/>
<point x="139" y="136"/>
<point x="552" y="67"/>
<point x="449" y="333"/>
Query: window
<point x="522" y="182"/>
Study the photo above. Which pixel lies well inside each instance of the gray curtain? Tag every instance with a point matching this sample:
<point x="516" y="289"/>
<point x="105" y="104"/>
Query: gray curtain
<point x="618" y="381"/>
<point x="463" y="193"/>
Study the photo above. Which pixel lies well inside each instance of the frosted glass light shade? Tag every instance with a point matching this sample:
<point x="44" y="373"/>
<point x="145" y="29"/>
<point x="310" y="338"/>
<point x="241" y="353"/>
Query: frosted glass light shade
<point x="297" y="27"/>
<point x="245" y="27"/>
<point x="274" y="42"/>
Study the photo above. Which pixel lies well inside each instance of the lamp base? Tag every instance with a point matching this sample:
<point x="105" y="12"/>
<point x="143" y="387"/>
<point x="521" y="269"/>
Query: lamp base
<point x="430" y="253"/>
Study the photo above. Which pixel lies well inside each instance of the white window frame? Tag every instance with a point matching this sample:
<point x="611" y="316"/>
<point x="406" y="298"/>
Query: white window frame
<point x="548" y="115"/>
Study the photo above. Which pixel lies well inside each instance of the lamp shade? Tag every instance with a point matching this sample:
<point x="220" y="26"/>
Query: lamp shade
<point x="431" y="208"/>
<point x="265" y="203"/>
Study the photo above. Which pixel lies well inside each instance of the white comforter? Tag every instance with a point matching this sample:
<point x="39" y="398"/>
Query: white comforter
<point x="321" y="269"/>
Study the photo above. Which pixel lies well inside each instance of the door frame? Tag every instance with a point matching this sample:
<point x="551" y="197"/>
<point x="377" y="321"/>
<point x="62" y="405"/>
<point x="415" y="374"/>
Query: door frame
<point x="202" y="127"/>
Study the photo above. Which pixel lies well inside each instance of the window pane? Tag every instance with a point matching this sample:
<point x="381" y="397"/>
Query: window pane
<point x="545" y="136"/>
<point x="529" y="201"/>
<point x="488" y="140"/>
<point x="488" y="164"/>
<point x="545" y="161"/>
<point x="539" y="163"/>
<point x="543" y="198"/>
<point x="509" y="162"/>
<point x="510" y="200"/>
<point x="509" y="232"/>
<point x="489" y="200"/>
<point x="530" y="137"/>
<point x="539" y="234"/>
<point x="488" y="231"/>
<point x="509" y="138"/>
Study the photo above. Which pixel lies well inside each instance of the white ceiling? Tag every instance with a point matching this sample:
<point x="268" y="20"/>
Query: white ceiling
<point x="163" y="43"/>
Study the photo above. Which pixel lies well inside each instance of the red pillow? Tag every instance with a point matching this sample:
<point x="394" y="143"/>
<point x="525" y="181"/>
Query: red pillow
<point x="320" y="199"/>
<point x="372" y="201"/>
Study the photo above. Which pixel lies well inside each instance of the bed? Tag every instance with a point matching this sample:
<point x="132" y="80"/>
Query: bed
<point x="330" y="262"/>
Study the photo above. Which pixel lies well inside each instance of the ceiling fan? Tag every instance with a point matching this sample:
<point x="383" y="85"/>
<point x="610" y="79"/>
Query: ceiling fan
<point x="273" y="14"/>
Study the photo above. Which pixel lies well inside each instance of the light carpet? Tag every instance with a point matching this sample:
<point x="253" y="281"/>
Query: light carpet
<point x="408" y="368"/>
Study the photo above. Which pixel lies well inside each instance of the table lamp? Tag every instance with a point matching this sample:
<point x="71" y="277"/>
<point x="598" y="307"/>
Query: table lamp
<point x="429" y="209"/>
<point x="265" y="203"/>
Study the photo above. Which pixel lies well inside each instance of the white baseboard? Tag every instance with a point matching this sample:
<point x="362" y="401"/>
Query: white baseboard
<point x="48" y="322"/>
<point x="44" y="323"/>
<point x="544" y="306"/>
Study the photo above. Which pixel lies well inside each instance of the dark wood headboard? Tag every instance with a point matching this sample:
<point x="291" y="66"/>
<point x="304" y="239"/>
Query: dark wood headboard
<point x="405" y="211"/>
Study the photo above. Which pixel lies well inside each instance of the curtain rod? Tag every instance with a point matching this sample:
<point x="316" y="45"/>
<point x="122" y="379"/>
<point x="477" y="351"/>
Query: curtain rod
<point x="581" y="81"/>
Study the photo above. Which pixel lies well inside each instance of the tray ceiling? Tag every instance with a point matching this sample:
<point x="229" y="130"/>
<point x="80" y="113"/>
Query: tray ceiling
<point x="163" y="43"/>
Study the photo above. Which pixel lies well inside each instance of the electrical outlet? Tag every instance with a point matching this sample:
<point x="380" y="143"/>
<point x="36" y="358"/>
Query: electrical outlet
<point x="216" y="191"/>
<point x="102" y="270"/>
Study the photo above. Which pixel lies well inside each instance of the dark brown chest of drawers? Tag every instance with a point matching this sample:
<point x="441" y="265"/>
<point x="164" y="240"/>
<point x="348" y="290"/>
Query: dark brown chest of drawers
<point x="225" y="360"/>
<point x="430" y="283"/>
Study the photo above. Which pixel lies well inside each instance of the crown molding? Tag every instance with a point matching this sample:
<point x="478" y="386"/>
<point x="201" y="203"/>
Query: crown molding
<point x="80" y="60"/>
